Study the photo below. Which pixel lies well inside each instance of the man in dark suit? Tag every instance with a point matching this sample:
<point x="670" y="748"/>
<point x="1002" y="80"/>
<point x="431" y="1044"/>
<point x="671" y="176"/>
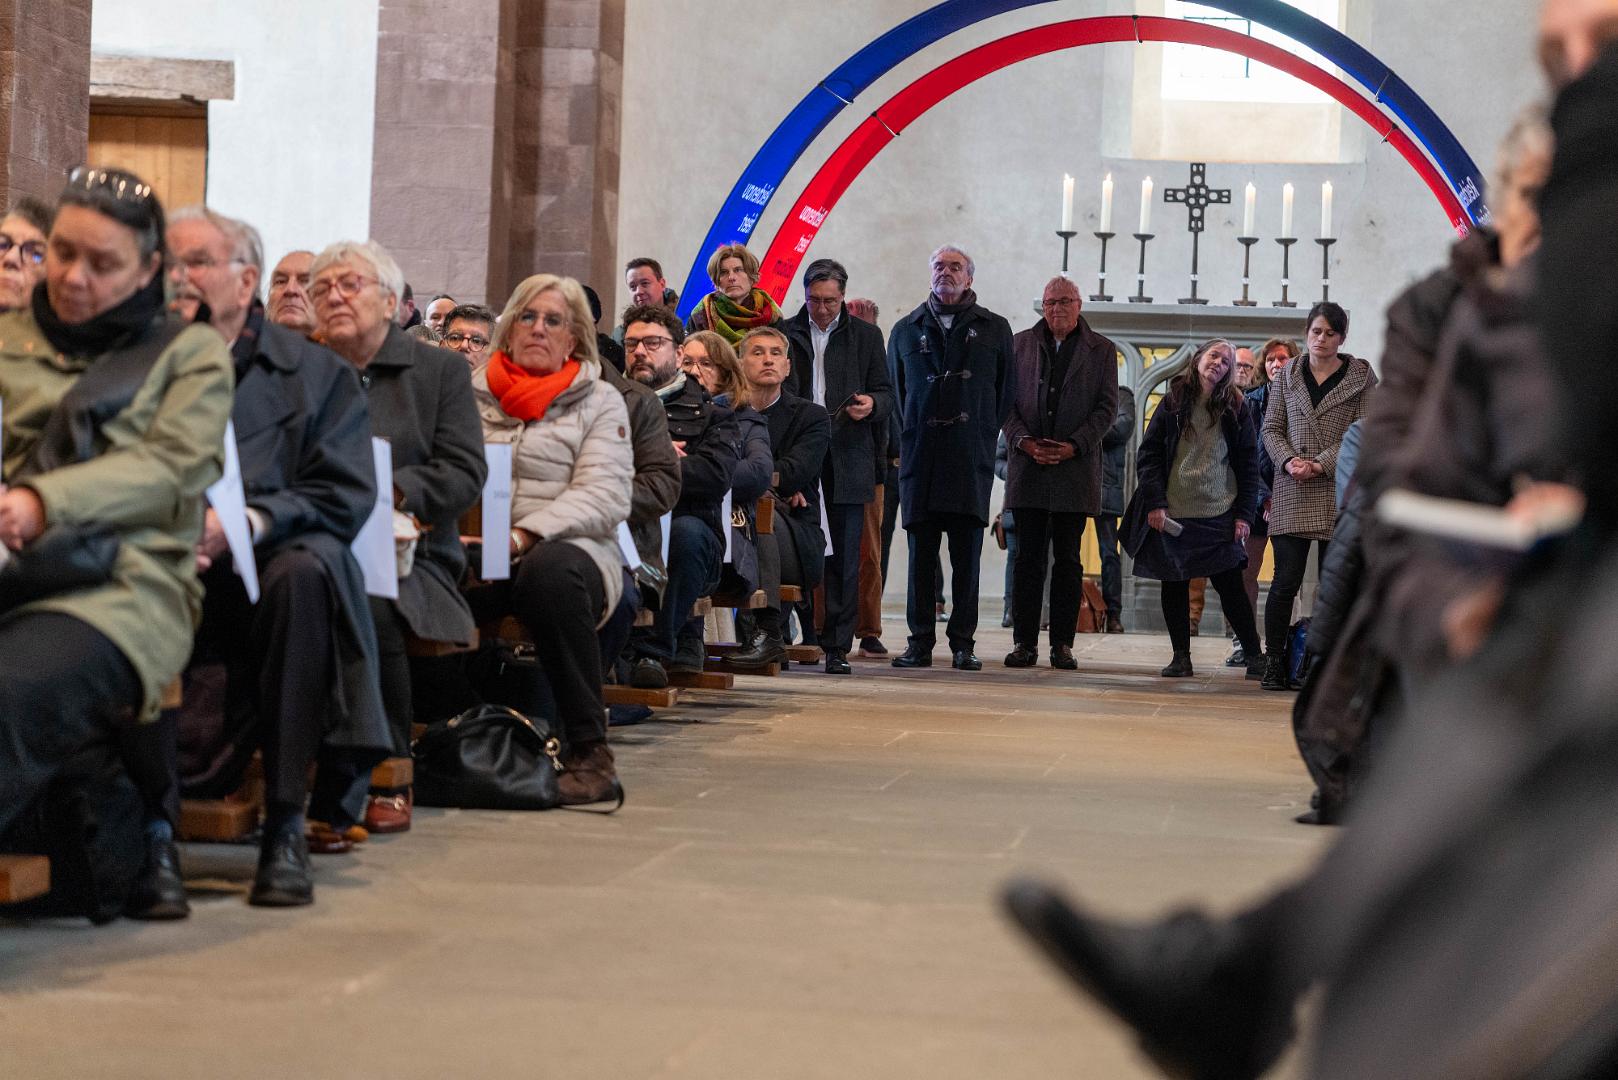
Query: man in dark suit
<point x="800" y="433"/>
<point x="839" y="362"/>
<point x="301" y="664"/>
<point x="950" y="360"/>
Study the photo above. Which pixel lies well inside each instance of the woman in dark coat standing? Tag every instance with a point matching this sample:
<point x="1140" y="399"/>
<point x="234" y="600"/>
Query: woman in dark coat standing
<point x="421" y="402"/>
<point x="1197" y="471"/>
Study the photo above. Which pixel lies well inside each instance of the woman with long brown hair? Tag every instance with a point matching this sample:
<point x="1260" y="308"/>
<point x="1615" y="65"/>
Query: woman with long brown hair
<point x="1197" y="490"/>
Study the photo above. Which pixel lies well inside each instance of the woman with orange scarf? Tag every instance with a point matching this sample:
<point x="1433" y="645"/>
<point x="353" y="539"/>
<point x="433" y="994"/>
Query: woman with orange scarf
<point x="572" y="469"/>
<point x="737" y="304"/>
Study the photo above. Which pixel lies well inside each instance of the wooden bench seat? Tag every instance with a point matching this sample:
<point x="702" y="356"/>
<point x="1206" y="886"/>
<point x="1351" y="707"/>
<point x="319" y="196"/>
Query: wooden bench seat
<point x="629" y="695"/>
<point x="750" y="601"/>
<point x="706" y="680"/>
<point x="23" y="877"/>
<point x="791" y="594"/>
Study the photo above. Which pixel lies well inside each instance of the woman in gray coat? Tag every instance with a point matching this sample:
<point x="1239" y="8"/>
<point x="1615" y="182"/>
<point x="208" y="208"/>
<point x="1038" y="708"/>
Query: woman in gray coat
<point x="421" y="402"/>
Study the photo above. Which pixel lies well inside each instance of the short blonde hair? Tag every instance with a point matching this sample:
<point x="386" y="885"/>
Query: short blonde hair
<point x="578" y="308"/>
<point x="732" y="380"/>
<point x="762" y="331"/>
<point x="388" y="275"/>
<point x="1293" y="349"/>
<point x="733" y="251"/>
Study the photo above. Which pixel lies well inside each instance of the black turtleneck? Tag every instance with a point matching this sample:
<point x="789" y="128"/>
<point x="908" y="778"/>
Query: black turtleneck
<point x="116" y="326"/>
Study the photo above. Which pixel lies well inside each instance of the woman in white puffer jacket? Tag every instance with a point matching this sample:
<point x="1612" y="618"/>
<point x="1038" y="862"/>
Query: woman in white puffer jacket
<point x="572" y="468"/>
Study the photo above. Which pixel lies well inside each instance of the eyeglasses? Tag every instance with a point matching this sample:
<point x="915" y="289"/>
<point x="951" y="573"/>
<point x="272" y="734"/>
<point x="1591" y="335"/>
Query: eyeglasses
<point x="528" y="319"/>
<point x="828" y="301"/>
<point x="456" y="340"/>
<point x="32" y="251"/>
<point x="652" y="344"/>
<point x="198" y="261"/>
<point x="699" y="362"/>
<point x="348" y="286"/>
<point x="1066" y="301"/>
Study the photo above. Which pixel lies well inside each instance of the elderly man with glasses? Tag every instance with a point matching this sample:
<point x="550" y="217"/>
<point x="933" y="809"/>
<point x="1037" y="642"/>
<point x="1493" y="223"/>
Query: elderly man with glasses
<point x="468" y="329"/>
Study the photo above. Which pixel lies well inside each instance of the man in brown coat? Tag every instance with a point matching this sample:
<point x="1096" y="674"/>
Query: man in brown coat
<point x="1064" y="394"/>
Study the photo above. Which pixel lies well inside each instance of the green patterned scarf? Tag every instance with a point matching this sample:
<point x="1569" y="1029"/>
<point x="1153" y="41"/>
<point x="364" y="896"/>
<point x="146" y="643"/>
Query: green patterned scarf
<point x="731" y="320"/>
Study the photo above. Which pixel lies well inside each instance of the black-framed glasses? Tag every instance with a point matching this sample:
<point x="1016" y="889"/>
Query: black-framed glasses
<point x="652" y="343"/>
<point x="1063" y="302"/>
<point x="32" y="251"/>
<point x="457" y="339"/>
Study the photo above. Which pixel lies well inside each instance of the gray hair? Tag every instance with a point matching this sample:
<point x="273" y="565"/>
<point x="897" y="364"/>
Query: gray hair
<point x="1530" y="135"/>
<point x="971" y="267"/>
<point x="388" y="275"/>
<point x="245" y="245"/>
<point x="37" y="213"/>
<point x="826" y="270"/>
<point x="1067" y="284"/>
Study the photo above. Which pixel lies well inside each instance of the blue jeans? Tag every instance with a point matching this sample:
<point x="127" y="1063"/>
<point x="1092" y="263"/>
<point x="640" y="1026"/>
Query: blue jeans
<point x="695" y="559"/>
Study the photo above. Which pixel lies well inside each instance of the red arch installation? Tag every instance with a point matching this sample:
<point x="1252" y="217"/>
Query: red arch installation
<point x="821" y="195"/>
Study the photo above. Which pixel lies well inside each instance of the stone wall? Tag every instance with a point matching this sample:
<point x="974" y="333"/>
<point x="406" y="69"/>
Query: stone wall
<point x="44" y="94"/>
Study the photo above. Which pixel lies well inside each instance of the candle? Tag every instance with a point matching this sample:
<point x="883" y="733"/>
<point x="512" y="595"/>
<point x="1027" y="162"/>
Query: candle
<point x="1286" y="211"/>
<point x="1325" y="211"/>
<point x="1067" y="203"/>
<point x="1146" y="206"/>
<point x="1247" y="214"/>
<point x="1106" y="204"/>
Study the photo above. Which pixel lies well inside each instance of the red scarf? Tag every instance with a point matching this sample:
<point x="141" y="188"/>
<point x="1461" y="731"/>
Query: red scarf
<point x="526" y="394"/>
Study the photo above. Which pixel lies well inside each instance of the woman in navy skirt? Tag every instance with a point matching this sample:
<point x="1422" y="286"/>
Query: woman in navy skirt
<point x="1197" y="490"/>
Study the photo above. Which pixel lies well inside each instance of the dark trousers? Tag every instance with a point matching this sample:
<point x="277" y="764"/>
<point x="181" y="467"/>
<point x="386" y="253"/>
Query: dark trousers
<point x="841" y="584"/>
<point x="1255" y="563"/>
<point x="965" y="535"/>
<point x="1291" y="558"/>
<point x="614" y="633"/>
<point x="694" y="562"/>
<point x="780" y="563"/>
<point x="63" y="685"/>
<point x="393" y="668"/>
<point x="890" y="517"/>
<point x="1112" y="564"/>
<point x="1176" y="598"/>
<point x="1042" y="534"/>
<point x="557" y="594"/>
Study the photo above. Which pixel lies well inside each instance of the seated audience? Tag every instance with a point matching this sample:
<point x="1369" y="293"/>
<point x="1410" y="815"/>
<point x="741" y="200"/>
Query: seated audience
<point x="114" y="422"/>
<point x="301" y="662"/>
<point x="421" y="402"/>
<point x="289" y="304"/>
<point x="469" y="329"/>
<point x="438" y="309"/>
<point x="1196" y="493"/>
<point x="709" y="445"/>
<point x="572" y="470"/>
<point x="22" y="251"/>
<point x="737" y="304"/>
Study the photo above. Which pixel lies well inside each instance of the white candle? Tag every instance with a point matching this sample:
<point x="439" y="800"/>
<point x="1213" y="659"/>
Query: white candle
<point x="1067" y="203"/>
<point x="1286" y="211"/>
<point x="1325" y="211"/>
<point x="1146" y="206"/>
<point x="1106" y="204"/>
<point x="1247" y="214"/>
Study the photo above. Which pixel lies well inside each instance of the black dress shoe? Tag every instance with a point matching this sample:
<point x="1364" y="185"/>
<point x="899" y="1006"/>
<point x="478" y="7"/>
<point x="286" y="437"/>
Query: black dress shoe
<point x="766" y="649"/>
<point x="835" y="664"/>
<point x="913" y="658"/>
<point x="283" y="878"/>
<point x="648" y="674"/>
<point x="159" y="891"/>
<point x="1022" y="656"/>
<point x="1179" y="667"/>
<point x="1237" y="657"/>
<point x="964" y="660"/>
<point x="1198" y="992"/>
<point x="1062" y="658"/>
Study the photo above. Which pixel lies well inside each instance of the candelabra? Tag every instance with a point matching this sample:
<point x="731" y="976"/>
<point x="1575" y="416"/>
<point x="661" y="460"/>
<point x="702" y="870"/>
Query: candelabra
<point x="1247" y="243"/>
<point x="1140" y="296"/>
<point x="1067" y="236"/>
<point x="1286" y="243"/>
<point x="1325" y="243"/>
<point x="1100" y="296"/>
<point x="1196" y="243"/>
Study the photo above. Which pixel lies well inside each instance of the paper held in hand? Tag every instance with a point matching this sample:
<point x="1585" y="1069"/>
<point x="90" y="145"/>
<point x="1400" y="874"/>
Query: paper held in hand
<point x="1474" y="523"/>
<point x="229" y="502"/>
<point x="496" y="513"/>
<point x="374" y="547"/>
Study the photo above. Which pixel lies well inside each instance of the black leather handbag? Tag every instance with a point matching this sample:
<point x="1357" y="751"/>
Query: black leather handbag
<point x="61" y="559"/>
<point x="488" y="758"/>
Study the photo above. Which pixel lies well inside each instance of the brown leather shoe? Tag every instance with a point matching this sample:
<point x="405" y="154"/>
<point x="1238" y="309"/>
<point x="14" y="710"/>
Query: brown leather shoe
<point x="1115" y="625"/>
<point x="389" y="813"/>
<point x="590" y="777"/>
<point x="325" y="840"/>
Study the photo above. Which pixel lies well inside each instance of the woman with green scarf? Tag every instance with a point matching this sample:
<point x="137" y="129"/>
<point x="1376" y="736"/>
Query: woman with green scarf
<point x="737" y="304"/>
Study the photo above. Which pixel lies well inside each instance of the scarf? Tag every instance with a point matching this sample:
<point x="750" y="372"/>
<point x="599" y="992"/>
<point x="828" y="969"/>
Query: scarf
<point x="115" y="326"/>
<point x="731" y="320"/>
<point x="939" y="308"/>
<point x="245" y="346"/>
<point x="525" y="394"/>
<point x="672" y="390"/>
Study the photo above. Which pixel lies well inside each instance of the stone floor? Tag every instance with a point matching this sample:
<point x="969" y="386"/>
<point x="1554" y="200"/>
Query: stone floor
<point x="802" y="885"/>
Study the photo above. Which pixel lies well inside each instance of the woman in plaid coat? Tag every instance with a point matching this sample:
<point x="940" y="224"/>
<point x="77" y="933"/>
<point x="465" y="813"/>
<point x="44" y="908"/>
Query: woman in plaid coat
<point x="1312" y="404"/>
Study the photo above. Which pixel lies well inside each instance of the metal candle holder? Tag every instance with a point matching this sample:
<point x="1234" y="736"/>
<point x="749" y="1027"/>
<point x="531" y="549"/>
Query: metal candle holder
<point x="1247" y="243"/>
<point x="1325" y="243"/>
<point x="1100" y="296"/>
<point x="1140" y="296"/>
<point x="1286" y="243"/>
<point x="1067" y="236"/>
<point x="1196" y="238"/>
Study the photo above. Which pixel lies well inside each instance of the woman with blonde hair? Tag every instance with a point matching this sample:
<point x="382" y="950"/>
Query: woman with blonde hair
<point x="572" y="474"/>
<point x="737" y="304"/>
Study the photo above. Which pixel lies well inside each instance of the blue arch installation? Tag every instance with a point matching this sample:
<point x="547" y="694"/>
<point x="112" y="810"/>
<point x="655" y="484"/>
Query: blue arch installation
<point x="792" y="137"/>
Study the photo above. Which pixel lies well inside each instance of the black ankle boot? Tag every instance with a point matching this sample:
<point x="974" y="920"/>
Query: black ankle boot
<point x="1179" y="667"/>
<point x="1275" y="673"/>
<point x="767" y="649"/>
<point x="159" y="891"/>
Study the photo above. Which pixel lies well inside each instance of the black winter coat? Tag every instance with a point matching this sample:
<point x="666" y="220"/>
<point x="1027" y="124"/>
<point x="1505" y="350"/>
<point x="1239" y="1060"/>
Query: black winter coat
<point x="1257" y="401"/>
<point x="1155" y="458"/>
<point x="713" y="447"/>
<point x="856" y="363"/>
<point x="1115" y="453"/>
<point x="800" y="433"/>
<point x="1086" y="406"/>
<point x="952" y="392"/>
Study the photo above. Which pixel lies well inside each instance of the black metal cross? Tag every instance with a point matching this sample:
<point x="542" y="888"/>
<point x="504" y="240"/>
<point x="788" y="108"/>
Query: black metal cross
<point x="1197" y="197"/>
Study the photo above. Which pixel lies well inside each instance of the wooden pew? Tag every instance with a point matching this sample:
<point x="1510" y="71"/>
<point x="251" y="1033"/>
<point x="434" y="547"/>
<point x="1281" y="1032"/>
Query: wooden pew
<point x="23" y="877"/>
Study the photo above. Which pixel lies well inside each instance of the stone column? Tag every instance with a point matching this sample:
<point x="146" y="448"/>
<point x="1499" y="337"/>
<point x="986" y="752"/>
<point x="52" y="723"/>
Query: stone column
<point x="44" y="94"/>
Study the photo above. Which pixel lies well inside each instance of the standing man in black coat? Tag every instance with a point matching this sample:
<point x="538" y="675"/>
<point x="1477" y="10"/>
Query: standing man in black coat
<point x="302" y="662"/>
<point x="839" y="362"/>
<point x="950" y="360"/>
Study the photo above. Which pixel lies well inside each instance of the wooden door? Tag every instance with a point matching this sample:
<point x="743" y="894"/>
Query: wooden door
<point x="168" y="152"/>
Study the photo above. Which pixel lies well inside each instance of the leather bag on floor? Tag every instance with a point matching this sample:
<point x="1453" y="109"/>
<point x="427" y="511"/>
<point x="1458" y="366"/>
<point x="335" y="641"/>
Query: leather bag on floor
<point x="488" y="758"/>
